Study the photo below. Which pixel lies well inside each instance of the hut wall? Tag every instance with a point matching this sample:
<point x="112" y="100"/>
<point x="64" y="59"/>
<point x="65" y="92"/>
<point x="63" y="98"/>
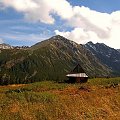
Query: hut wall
<point x="78" y="79"/>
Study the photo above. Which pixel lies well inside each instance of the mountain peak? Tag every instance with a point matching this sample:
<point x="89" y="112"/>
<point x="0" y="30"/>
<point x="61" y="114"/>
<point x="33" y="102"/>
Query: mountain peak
<point x="57" y="40"/>
<point x="90" y="43"/>
<point x="107" y="55"/>
<point x="58" y="37"/>
<point x="97" y="45"/>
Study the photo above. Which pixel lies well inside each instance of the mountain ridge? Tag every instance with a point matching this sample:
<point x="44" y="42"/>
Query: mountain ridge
<point x="107" y="55"/>
<point x="6" y="46"/>
<point x="51" y="59"/>
<point x="118" y="50"/>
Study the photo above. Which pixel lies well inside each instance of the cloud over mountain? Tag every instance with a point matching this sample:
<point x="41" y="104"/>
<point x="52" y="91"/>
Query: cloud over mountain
<point x="91" y="20"/>
<point x="86" y="24"/>
<point x="90" y="25"/>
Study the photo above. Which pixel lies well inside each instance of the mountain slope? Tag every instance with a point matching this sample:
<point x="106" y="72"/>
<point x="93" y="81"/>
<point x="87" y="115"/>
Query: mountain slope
<point x="51" y="59"/>
<point x="5" y="46"/>
<point x="107" y="55"/>
<point x="73" y="52"/>
<point x="118" y="50"/>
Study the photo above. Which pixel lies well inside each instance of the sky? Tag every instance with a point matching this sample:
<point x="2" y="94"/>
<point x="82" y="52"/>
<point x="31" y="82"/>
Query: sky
<point x="26" y="22"/>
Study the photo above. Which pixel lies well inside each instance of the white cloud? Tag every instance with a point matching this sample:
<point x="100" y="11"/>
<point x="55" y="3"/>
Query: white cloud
<point x="20" y="5"/>
<point x="91" y="20"/>
<point x="90" y="25"/>
<point x="87" y="24"/>
<point x="41" y="10"/>
<point x="79" y="35"/>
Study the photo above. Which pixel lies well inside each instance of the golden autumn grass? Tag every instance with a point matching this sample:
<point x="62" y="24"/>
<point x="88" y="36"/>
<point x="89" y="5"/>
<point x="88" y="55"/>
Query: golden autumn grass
<point x="99" y="99"/>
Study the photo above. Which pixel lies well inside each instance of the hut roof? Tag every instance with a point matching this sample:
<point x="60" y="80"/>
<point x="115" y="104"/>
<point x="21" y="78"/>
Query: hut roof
<point x="77" y="75"/>
<point x="78" y="69"/>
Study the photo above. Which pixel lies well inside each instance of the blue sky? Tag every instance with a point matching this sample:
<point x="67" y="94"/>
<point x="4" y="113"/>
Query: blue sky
<point x="99" y="5"/>
<point x="22" y="26"/>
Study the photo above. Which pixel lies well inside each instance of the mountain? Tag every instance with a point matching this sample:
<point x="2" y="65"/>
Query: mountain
<point x="107" y="55"/>
<point x="5" y="46"/>
<point x="118" y="50"/>
<point x="73" y="53"/>
<point x="51" y="59"/>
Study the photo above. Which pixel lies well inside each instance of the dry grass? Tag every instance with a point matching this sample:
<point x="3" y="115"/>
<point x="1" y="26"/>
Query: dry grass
<point x="53" y="101"/>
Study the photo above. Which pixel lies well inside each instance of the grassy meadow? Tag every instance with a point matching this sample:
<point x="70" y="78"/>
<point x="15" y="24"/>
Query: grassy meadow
<point x="98" y="99"/>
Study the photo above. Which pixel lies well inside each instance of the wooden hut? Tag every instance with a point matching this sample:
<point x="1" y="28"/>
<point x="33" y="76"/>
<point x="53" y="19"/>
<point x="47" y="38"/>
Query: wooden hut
<point x="77" y="75"/>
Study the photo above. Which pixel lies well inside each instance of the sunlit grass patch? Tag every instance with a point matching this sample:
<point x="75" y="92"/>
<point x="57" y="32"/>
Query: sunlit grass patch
<point x="58" y="101"/>
<point x="104" y="81"/>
